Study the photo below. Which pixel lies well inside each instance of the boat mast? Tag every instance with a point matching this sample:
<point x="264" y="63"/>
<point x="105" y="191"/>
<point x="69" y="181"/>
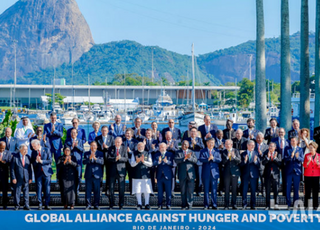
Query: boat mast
<point x="193" y="79"/>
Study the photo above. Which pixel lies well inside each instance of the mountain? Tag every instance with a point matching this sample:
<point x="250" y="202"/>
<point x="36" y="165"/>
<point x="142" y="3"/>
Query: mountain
<point x="105" y="60"/>
<point x="44" y="33"/>
<point x="234" y="62"/>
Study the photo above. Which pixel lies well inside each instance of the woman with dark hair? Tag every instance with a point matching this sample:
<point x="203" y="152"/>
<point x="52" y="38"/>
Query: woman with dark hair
<point x="68" y="178"/>
<point x="311" y="166"/>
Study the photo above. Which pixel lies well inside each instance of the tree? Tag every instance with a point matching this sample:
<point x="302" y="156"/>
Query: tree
<point x="245" y="94"/>
<point x="58" y="98"/>
<point x="260" y="110"/>
<point x="304" y="67"/>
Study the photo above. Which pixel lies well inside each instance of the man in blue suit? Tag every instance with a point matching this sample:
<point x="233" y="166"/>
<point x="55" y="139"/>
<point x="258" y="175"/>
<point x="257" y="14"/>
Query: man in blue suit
<point x="207" y="130"/>
<point x="81" y="133"/>
<point x="117" y="129"/>
<point x="210" y="159"/>
<point x="196" y="145"/>
<point x="96" y="132"/>
<point x="176" y="133"/>
<point x="11" y="142"/>
<point x="44" y="140"/>
<point x="251" y="132"/>
<point x="163" y="161"/>
<point x="54" y="131"/>
<point x="93" y="174"/>
<point x="281" y="144"/>
<point x="250" y="164"/>
<point x="293" y="156"/>
<point x="139" y="133"/>
<point x="41" y="161"/>
<point x="21" y="176"/>
<point x="76" y="146"/>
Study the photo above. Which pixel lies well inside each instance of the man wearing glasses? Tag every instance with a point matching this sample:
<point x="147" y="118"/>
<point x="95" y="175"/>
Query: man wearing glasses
<point x="176" y="133"/>
<point x="81" y="132"/>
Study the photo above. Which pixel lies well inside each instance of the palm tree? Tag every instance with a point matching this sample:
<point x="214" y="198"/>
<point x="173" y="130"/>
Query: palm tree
<point x="317" y="66"/>
<point x="285" y="110"/>
<point x="260" y="96"/>
<point x="304" y="67"/>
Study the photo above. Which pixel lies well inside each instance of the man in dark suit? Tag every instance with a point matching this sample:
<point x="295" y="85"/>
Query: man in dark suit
<point x="21" y="176"/>
<point x="207" y="130"/>
<point x="294" y="132"/>
<point x="229" y="132"/>
<point x="117" y="129"/>
<point x="293" y="156"/>
<point x="163" y="161"/>
<point x="196" y="145"/>
<point x="104" y="142"/>
<point x="219" y="141"/>
<point x="77" y="149"/>
<point x="172" y="146"/>
<point x="272" y="162"/>
<point x="131" y="145"/>
<point x="11" y="142"/>
<point x="239" y="142"/>
<point x="176" y="133"/>
<point x="186" y="161"/>
<point x="316" y="137"/>
<point x="41" y="161"/>
<point x="281" y="143"/>
<point x="231" y="160"/>
<point x="117" y="157"/>
<point x="186" y="134"/>
<point x="251" y="132"/>
<point x="81" y="132"/>
<point x="44" y="140"/>
<point x="5" y="159"/>
<point x="210" y="159"/>
<point x="261" y="147"/>
<point x="93" y="175"/>
<point x="273" y="131"/>
<point x="250" y="163"/>
<point x="139" y="133"/>
<point x="54" y="131"/>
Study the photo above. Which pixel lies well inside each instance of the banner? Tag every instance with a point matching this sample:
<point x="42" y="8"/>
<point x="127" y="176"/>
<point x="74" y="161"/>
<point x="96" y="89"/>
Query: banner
<point x="159" y="220"/>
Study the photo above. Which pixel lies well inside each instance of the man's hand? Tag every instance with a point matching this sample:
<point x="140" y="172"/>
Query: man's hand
<point x="124" y="128"/>
<point x="39" y="159"/>
<point x="255" y="158"/>
<point x="297" y="155"/>
<point x="112" y="127"/>
<point x="275" y="155"/>
<point x="210" y="158"/>
<point x="76" y="143"/>
<point x="69" y="159"/>
<point x="105" y="146"/>
<point x="142" y="158"/>
<point x="44" y="137"/>
<point x="30" y="181"/>
<point x="221" y="146"/>
<point x="160" y="159"/>
<point x="153" y="146"/>
<point x="118" y="157"/>
<point x="128" y="149"/>
<point x="14" y="181"/>
<point x="138" y="159"/>
<point x="144" y="141"/>
<point x="165" y="160"/>
<point x="269" y="154"/>
<point x="53" y="128"/>
<point x="194" y="142"/>
<point x="229" y="155"/>
<point x="208" y="135"/>
<point x="138" y="132"/>
<point x="91" y="156"/>
<point x="246" y="159"/>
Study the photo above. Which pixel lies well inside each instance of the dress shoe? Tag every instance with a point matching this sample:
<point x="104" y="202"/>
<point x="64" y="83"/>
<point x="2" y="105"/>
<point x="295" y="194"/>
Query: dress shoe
<point x="172" y="195"/>
<point x="120" y="207"/>
<point x="205" y="208"/>
<point x="234" y="207"/>
<point x="152" y="194"/>
<point x="111" y="207"/>
<point x="253" y="208"/>
<point x="244" y="207"/>
<point x="226" y="208"/>
<point x="159" y="207"/>
<point x="199" y="194"/>
<point x="147" y="207"/>
<point x="26" y="208"/>
<point x="267" y="208"/>
<point x="214" y="207"/>
<point x="168" y="207"/>
<point x="47" y="208"/>
<point x="96" y="208"/>
<point x="183" y="208"/>
<point x="16" y="208"/>
<point x="5" y="207"/>
<point x="139" y="207"/>
<point x="220" y="193"/>
<point x="88" y="207"/>
<point x="189" y="208"/>
<point x="40" y="207"/>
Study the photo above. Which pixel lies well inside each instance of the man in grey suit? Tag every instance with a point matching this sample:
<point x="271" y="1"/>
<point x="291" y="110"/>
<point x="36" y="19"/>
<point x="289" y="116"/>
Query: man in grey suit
<point x="261" y="147"/>
<point x="11" y="142"/>
<point x="186" y="161"/>
<point x="21" y="176"/>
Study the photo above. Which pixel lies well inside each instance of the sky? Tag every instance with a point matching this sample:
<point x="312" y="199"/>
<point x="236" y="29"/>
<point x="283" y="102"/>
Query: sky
<point x="176" y="24"/>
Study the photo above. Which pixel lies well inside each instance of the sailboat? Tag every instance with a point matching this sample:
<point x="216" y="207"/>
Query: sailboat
<point x="192" y="115"/>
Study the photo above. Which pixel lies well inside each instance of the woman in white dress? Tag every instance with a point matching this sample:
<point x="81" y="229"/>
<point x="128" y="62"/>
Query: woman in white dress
<point x="141" y="161"/>
<point x="24" y="131"/>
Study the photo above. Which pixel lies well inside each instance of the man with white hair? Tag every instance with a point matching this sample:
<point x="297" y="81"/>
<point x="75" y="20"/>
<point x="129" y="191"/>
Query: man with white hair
<point x="21" y="176"/>
<point x="163" y="161"/>
<point x="11" y="142"/>
<point x="41" y="161"/>
<point x="239" y="142"/>
<point x="141" y="162"/>
<point x="117" y="129"/>
<point x="261" y="147"/>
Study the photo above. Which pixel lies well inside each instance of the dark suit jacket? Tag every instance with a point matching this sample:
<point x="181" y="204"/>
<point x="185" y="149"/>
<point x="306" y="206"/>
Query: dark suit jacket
<point x="42" y="143"/>
<point x="117" y="167"/>
<point x="198" y="146"/>
<point x="176" y="134"/>
<point x="45" y="166"/>
<point x="132" y="144"/>
<point x="13" y="145"/>
<point x="240" y="145"/>
<point x="292" y="133"/>
<point x="278" y="144"/>
<point x="148" y="146"/>
<point x="142" y="134"/>
<point x="94" y="168"/>
<point x="229" y="134"/>
<point x="92" y="136"/>
<point x="210" y="167"/>
<point x="273" y="164"/>
<point x="163" y="168"/>
<point x="18" y="172"/>
<point x="186" y="168"/>
<point x="267" y="135"/>
<point x="216" y="145"/>
<point x="230" y="167"/>
<point x="246" y="133"/>
<point x="316" y="137"/>
<point x="203" y="132"/>
<point x="117" y="132"/>
<point x="251" y="168"/>
<point x="4" y="167"/>
<point x="55" y="137"/>
<point x="109" y="142"/>
<point x="81" y="134"/>
<point x="263" y="147"/>
<point x="77" y="151"/>
<point x="293" y="165"/>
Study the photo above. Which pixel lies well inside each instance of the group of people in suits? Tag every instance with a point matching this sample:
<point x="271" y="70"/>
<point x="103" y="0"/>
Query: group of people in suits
<point x="209" y="160"/>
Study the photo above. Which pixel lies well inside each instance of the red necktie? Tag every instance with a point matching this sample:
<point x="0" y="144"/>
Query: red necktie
<point x="185" y="153"/>
<point x="281" y="145"/>
<point x="117" y="152"/>
<point x="23" y="161"/>
<point x="210" y="152"/>
<point x="39" y="153"/>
